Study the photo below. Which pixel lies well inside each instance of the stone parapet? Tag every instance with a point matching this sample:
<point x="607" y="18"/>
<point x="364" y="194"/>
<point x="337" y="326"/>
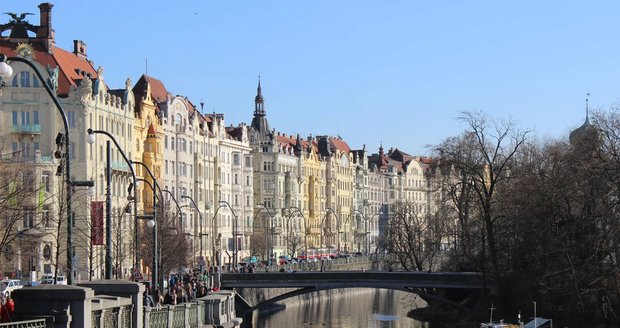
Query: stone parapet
<point x="62" y="306"/>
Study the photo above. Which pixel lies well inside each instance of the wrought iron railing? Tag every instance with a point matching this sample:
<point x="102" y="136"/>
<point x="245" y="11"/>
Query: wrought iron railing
<point x="37" y="323"/>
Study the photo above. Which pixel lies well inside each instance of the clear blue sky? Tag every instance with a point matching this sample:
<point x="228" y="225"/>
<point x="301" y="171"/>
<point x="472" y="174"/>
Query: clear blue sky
<point x="370" y="71"/>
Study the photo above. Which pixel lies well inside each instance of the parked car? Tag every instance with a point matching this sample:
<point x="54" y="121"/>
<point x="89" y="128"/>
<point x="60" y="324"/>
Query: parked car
<point x="9" y="285"/>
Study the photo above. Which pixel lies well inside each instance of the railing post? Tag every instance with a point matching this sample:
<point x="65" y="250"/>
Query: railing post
<point x="186" y="314"/>
<point x="170" y="316"/>
<point x="147" y="317"/>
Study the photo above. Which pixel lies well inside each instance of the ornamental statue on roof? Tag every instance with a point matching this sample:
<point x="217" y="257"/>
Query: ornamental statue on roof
<point x="18" y="26"/>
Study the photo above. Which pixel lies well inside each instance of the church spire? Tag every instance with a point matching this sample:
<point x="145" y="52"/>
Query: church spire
<point x="587" y="109"/>
<point x="259" y="102"/>
<point x="259" y="122"/>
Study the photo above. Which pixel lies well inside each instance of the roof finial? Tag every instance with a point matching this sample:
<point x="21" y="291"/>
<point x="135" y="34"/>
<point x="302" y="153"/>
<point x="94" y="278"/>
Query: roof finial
<point x="258" y="89"/>
<point x="587" y="109"/>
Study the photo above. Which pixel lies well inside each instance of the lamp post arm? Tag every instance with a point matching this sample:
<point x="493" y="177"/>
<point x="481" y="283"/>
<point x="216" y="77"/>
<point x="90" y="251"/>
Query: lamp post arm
<point x="171" y="195"/>
<point x="65" y="122"/>
<point x="135" y="194"/>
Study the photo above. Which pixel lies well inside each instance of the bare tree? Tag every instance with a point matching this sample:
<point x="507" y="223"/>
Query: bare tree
<point x="21" y="203"/>
<point x="481" y="158"/>
<point x="415" y="238"/>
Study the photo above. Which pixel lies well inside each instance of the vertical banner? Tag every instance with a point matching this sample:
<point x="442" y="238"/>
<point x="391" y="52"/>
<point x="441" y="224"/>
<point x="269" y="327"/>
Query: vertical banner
<point x="96" y="216"/>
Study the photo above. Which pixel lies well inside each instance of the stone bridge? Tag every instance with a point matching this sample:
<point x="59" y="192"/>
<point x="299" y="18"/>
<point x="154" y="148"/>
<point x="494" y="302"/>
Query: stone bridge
<point x="261" y="289"/>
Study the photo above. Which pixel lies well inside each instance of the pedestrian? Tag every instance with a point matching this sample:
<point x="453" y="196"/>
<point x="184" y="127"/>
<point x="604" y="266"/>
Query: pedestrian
<point x="7" y="310"/>
<point x="148" y="299"/>
<point x="159" y="299"/>
<point x="171" y="297"/>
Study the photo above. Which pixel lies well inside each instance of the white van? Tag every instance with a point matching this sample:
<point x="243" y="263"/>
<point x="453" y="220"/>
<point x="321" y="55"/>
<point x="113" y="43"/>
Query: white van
<point x="48" y="279"/>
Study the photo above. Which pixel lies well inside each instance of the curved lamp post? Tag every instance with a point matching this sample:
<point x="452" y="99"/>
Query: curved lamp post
<point x="200" y="233"/>
<point x="154" y="279"/>
<point x="6" y="71"/>
<point x="225" y="203"/>
<point x="91" y="140"/>
<point x="327" y="211"/>
<point x="305" y="228"/>
<point x="271" y="227"/>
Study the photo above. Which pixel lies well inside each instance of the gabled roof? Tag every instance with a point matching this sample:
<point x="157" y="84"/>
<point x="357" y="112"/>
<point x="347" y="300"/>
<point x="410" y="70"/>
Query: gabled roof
<point x="400" y="156"/>
<point x="71" y="68"/>
<point x="158" y="90"/>
<point x="235" y="132"/>
<point x="340" y="145"/>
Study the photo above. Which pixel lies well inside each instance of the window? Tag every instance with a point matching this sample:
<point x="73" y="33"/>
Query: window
<point x="25" y="118"/>
<point x="14" y="117"/>
<point x="236" y="159"/>
<point x="236" y="179"/>
<point x="172" y="143"/>
<point x="268" y="166"/>
<point x="269" y="184"/>
<point x="24" y="79"/>
<point x="45" y="181"/>
<point x="35" y="117"/>
<point x="247" y="180"/>
<point x="166" y="142"/>
<point x="166" y="166"/>
<point x="28" y="220"/>
<point x="28" y="180"/>
<point x="248" y="161"/>
<point x="236" y="200"/>
<point x="268" y="202"/>
<point x="45" y="216"/>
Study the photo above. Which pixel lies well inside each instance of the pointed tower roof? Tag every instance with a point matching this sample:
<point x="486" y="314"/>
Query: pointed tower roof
<point x="259" y="122"/>
<point x="151" y="133"/>
<point x="586" y="134"/>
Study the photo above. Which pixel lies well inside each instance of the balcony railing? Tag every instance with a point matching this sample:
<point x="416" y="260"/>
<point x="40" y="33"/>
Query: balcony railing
<point x="27" y="129"/>
<point x="120" y="166"/>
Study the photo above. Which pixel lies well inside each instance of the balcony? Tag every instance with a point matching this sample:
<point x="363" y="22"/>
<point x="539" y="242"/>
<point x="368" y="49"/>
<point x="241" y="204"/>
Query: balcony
<point x="27" y="129"/>
<point x="120" y="166"/>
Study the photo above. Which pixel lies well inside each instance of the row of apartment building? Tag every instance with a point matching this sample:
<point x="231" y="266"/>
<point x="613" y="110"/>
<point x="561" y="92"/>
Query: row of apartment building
<point x="258" y="191"/>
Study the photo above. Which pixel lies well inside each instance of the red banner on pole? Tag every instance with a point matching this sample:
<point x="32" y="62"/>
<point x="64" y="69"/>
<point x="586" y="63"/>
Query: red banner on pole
<point x="96" y="216"/>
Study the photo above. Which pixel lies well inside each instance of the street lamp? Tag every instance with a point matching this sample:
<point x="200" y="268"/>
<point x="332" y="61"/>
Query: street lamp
<point x="305" y="228"/>
<point x="322" y="232"/>
<point x="91" y="140"/>
<point x="201" y="234"/>
<point x="154" y="279"/>
<point x="223" y="202"/>
<point x="6" y="71"/>
<point x="271" y="228"/>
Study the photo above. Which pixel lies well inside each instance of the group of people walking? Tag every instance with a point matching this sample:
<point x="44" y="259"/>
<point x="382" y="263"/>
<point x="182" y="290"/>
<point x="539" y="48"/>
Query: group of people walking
<point x="181" y="289"/>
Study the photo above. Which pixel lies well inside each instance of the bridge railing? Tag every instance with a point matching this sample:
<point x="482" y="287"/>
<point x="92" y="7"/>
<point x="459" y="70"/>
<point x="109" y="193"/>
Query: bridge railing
<point x="111" y="311"/>
<point x="38" y="323"/>
<point x="174" y="316"/>
<point x="332" y="264"/>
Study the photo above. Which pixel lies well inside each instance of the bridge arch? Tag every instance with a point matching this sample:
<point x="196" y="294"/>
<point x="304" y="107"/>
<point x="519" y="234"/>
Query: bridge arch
<point x="308" y="282"/>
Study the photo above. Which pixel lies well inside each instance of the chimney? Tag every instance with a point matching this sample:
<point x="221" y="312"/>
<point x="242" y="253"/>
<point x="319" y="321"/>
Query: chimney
<point x="45" y="30"/>
<point x="79" y="48"/>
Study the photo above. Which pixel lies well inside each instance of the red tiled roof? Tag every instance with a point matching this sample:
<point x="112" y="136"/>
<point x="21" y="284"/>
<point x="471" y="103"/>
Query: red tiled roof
<point x="340" y="145"/>
<point x="158" y="90"/>
<point x="70" y="64"/>
<point x="151" y="129"/>
<point x="67" y="63"/>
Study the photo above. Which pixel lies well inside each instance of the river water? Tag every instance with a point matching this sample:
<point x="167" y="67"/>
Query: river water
<point x="344" y="308"/>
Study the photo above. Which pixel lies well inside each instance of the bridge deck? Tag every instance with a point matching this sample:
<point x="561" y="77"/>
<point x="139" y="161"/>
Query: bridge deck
<point x="349" y="279"/>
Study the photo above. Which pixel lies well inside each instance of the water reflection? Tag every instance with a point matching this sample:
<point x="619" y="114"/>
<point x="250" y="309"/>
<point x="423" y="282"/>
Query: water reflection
<point x="346" y="308"/>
